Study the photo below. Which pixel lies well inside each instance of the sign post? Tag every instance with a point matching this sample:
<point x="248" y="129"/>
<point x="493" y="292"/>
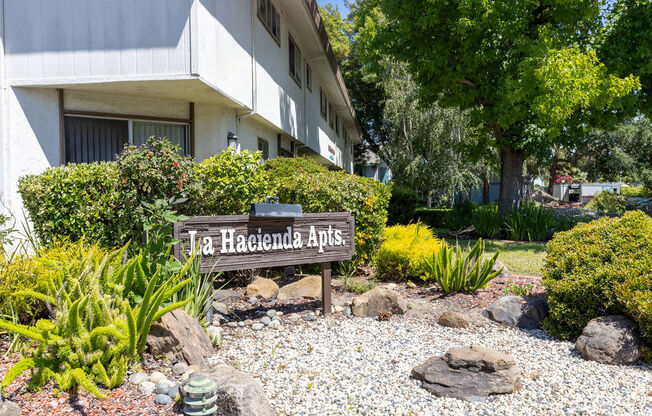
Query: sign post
<point x="242" y="242"/>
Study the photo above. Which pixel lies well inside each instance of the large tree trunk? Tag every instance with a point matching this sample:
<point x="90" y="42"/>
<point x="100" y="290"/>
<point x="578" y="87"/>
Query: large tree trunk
<point x="485" y="188"/>
<point x="511" y="178"/>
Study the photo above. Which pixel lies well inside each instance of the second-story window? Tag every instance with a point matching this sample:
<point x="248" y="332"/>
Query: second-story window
<point x="323" y="104"/>
<point x="271" y="19"/>
<point x="331" y="116"/>
<point x="337" y="125"/>
<point x="308" y="78"/>
<point x="295" y="60"/>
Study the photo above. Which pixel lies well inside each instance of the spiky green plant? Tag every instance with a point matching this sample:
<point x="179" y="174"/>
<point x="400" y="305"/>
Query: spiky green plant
<point x="458" y="270"/>
<point x="101" y="318"/>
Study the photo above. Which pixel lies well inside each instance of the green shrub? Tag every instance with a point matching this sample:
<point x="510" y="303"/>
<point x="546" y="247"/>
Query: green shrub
<point x="402" y="205"/>
<point x="636" y="191"/>
<point x="603" y="267"/>
<point x="460" y="216"/>
<point x="320" y="190"/>
<point x="73" y="201"/>
<point x="231" y="182"/>
<point x="607" y="201"/>
<point x="433" y="218"/>
<point x="487" y="221"/>
<point x="458" y="270"/>
<point x="530" y="222"/>
<point x="102" y="317"/>
<point x="155" y="171"/>
<point x="404" y="252"/>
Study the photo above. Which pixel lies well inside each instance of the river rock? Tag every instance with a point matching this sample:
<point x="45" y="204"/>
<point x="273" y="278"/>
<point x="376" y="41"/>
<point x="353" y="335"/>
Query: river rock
<point x="181" y="334"/>
<point x="237" y="392"/>
<point x="378" y="300"/>
<point x="454" y="320"/>
<point x="137" y="378"/>
<point x="263" y="288"/>
<point x="309" y="287"/>
<point x="146" y="388"/>
<point x="469" y="373"/>
<point x="610" y="340"/>
<point x="519" y="311"/>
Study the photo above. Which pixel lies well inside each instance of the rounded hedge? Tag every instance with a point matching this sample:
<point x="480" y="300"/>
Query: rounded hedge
<point x="600" y="268"/>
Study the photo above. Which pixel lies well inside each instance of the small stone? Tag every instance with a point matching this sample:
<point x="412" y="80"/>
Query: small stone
<point x="276" y="318"/>
<point x="271" y="313"/>
<point x="263" y="287"/>
<point x="164" y="386"/>
<point x="146" y="388"/>
<point x="279" y="313"/>
<point x="274" y="324"/>
<point x="339" y="309"/>
<point x="216" y="322"/>
<point x="265" y="320"/>
<point x="163" y="399"/>
<point x="53" y="404"/>
<point x="347" y="311"/>
<point x="309" y="317"/>
<point x="390" y="286"/>
<point x="226" y="296"/>
<point x="137" y="378"/>
<point x="280" y="328"/>
<point x="241" y="324"/>
<point x="157" y="377"/>
<point x="232" y="324"/>
<point x="248" y="322"/>
<point x="411" y="285"/>
<point x="253" y="300"/>
<point x="173" y="392"/>
<point x="257" y="326"/>
<point x="454" y="320"/>
<point x="179" y="368"/>
<point x="221" y="308"/>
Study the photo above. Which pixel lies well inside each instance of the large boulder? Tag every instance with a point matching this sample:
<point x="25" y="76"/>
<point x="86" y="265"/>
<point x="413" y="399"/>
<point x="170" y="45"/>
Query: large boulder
<point x="180" y="334"/>
<point x="519" y="311"/>
<point x="8" y="408"/>
<point x="469" y="373"/>
<point x="308" y="287"/>
<point x="378" y="300"/>
<point x="610" y="340"/>
<point x="238" y="394"/>
<point x="263" y="288"/>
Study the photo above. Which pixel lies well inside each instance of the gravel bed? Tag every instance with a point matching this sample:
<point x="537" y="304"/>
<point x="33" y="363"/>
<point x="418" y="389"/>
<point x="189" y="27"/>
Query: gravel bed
<point x="354" y="366"/>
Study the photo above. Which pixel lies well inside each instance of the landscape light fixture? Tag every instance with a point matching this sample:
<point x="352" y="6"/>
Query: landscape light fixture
<point x="232" y="141"/>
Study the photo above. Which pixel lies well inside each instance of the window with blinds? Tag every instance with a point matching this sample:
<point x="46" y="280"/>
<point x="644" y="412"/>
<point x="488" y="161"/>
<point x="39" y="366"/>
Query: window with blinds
<point x="95" y="139"/>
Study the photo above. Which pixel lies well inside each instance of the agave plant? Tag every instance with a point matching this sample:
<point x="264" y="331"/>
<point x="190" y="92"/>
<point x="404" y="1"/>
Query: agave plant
<point x="458" y="270"/>
<point x="101" y="319"/>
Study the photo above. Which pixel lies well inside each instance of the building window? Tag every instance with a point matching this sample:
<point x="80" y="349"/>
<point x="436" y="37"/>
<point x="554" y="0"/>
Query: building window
<point x="331" y="118"/>
<point x="337" y="125"/>
<point x="323" y="104"/>
<point x="268" y="14"/>
<point x="285" y="147"/>
<point x="263" y="147"/>
<point x="308" y="78"/>
<point x="90" y="139"/>
<point x="295" y="60"/>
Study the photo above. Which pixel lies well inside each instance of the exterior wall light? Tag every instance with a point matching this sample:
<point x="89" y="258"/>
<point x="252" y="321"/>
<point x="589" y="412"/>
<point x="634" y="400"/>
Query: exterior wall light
<point x="232" y="141"/>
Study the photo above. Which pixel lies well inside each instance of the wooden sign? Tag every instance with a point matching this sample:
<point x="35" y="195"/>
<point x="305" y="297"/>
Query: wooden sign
<point x="241" y="242"/>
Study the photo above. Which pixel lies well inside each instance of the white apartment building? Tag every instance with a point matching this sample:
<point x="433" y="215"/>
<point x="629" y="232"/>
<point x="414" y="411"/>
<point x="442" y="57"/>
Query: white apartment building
<point x="80" y="78"/>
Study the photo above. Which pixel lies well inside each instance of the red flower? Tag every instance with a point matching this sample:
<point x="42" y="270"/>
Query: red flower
<point x="176" y="164"/>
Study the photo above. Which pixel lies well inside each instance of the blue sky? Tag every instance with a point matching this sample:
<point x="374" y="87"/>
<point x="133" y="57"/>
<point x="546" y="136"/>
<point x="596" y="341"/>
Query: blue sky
<point x="339" y="3"/>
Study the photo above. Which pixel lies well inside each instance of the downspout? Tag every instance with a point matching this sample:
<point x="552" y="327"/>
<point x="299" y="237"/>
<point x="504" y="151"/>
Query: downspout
<point x="254" y="80"/>
<point x="3" y="162"/>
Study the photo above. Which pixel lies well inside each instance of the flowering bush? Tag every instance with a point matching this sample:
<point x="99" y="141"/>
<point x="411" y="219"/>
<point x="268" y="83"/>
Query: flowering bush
<point x="405" y="250"/>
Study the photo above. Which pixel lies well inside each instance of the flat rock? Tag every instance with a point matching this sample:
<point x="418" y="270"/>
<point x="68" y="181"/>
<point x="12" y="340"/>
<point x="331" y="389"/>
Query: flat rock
<point x="610" y="339"/>
<point x="519" y="311"/>
<point x="454" y="320"/>
<point x="226" y="296"/>
<point x="181" y="334"/>
<point x="237" y="392"/>
<point x="8" y="408"/>
<point x="309" y="287"/>
<point x="263" y="288"/>
<point x="469" y="373"/>
<point x="378" y="300"/>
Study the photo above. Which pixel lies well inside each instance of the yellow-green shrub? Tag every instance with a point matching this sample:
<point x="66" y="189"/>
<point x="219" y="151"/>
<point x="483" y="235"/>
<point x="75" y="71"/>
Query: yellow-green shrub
<point x="603" y="267"/>
<point x="405" y="250"/>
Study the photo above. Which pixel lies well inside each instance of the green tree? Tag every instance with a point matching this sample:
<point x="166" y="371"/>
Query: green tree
<point x="423" y="144"/>
<point x="626" y="48"/>
<point x="524" y="68"/>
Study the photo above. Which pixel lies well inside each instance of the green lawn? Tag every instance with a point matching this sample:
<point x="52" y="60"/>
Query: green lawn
<point x="519" y="257"/>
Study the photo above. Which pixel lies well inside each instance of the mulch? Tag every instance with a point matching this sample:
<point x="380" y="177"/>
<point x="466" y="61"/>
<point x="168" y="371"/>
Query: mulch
<point x="48" y="400"/>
